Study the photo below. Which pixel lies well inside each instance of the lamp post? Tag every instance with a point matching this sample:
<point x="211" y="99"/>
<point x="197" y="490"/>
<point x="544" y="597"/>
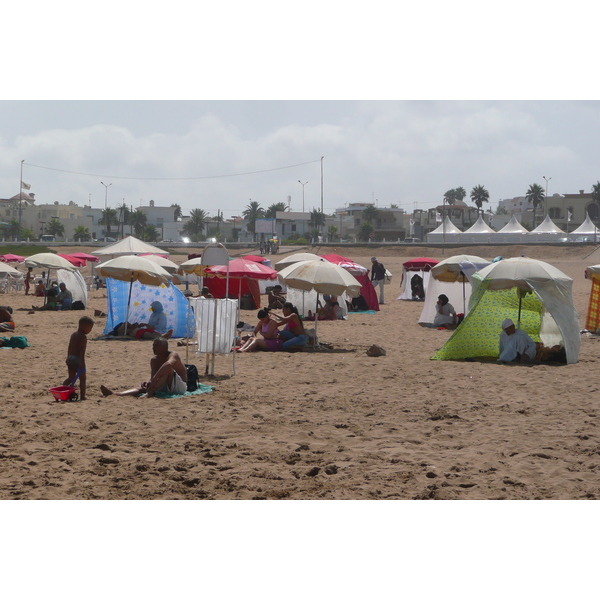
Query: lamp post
<point x="546" y="196"/>
<point x="20" y="200"/>
<point x="106" y="225"/>
<point x="302" y="184"/>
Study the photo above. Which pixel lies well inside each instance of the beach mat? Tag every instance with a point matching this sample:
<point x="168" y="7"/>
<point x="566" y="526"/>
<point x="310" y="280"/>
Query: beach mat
<point x="202" y="389"/>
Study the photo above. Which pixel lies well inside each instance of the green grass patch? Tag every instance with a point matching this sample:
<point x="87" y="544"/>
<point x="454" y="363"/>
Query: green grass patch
<point x="24" y="249"/>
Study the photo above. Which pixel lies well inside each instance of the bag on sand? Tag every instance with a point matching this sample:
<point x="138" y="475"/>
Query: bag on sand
<point x="192" y="378"/>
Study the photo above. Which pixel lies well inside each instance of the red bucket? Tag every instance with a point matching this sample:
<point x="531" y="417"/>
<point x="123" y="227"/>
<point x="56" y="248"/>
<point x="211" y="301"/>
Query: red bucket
<point x="64" y="392"/>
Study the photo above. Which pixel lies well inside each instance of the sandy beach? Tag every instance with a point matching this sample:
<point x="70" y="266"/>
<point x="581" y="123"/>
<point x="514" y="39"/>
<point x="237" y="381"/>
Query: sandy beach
<point x="335" y="424"/>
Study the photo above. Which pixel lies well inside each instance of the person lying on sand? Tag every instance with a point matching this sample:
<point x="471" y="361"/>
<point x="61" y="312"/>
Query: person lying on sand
<point x="7" y="322"/>
<point x="168" y="374"/>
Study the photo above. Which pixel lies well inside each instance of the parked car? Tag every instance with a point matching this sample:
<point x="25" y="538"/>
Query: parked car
<point x="411" y="240"/>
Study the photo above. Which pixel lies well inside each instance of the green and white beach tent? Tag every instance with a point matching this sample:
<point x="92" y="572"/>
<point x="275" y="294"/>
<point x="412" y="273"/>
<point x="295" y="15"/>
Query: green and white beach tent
<point x="534" y="290"/>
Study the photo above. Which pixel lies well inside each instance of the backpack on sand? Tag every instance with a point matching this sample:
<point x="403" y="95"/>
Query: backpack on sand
<point x="192" y="378"/>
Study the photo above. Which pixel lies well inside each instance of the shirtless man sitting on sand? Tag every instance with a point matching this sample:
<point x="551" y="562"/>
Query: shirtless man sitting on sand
<point x="7" y="323"/>
<point x="168" y="374"/>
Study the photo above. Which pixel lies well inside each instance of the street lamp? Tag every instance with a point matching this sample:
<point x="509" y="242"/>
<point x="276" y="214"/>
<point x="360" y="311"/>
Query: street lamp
<point x="106" y="186"/>
<point x="546" y="196"/>
<point x="302" y="184"/>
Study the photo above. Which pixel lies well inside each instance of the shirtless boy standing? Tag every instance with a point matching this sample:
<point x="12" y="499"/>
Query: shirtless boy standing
<point x="76" y="354"/>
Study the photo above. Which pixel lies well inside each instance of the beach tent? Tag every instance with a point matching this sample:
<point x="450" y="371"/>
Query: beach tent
<point x="447" y="231"/>
<point x="128" y="245"/>
<point x="513" y="232"/>
<point x="361" y="274"/>
<point x="546" y="231"/>
<point x="174" y="303"/>
<point x="587" y="228"/>
<point x="593" y="314"/>
<point x="459" y="268"/>
<point x="415" y="266"/>
<point x="534" y="290"/>
<point x="480" y="232"/>
<point x="75" y="283"/>
<point x="12" y="258"/>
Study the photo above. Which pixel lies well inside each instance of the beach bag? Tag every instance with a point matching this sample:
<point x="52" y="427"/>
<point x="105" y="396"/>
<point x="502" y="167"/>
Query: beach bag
<point x="77" y="305"/>
<point x="192" y="378"/>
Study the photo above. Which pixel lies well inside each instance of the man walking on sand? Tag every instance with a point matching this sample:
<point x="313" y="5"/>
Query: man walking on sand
<point x="168" y="374"/>
<point x="378" y="277"/>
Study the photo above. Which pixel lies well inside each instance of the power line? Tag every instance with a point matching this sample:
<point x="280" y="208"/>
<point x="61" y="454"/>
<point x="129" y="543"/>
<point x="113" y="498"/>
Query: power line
<point x="172" y="178"/>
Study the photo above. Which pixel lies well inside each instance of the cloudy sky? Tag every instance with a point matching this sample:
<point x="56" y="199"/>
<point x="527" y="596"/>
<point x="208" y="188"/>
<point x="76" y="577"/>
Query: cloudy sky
<point x="401" y="106"/>
<point x="220" y="154"/>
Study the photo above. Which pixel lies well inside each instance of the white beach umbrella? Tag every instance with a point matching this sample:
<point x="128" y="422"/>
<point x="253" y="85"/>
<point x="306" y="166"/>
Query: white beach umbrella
<point x="452" y="269"/>
<point x="294" y="258"/>
<point x="323" y="277"/>
<point x="165" y="263"/>
<point x="47" y="260"/>
<point x="134" y="268"/>
<point x="4" y="268"/>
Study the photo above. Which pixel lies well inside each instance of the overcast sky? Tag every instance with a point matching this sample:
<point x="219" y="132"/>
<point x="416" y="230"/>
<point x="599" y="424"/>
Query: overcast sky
<point x="220" y="154"/>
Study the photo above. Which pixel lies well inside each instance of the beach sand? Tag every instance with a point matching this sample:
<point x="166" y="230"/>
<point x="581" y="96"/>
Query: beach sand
<point x="309" y="425"/>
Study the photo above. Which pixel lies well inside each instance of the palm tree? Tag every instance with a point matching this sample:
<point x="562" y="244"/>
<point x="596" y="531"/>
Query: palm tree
<point x="479" y="195"/>
<point x="14" y="229"/>
<point x="177" y="212"/>
<point x="109" y="217"/>
<point x="460" y="193"/>
<point x="138" y="220"/>
<point x="535" y="195"/>
<point x="370" y="213"/>
<point x="316" y="219"/>
<point x="55" y="228"/>
<point x="332" y="233"/>
<point x="450" y="197"/>
<point x="124" y="213"/>
<point x="195" y="225"/>
<point x="271" y="212"/>
<point x="82" y="234"/>
<point x="596" y="194"/>
<point x="252" y="212"/>
<point x="365" y="232"/>
<point x="27" y="234"/>
<point x="151" y="234"/>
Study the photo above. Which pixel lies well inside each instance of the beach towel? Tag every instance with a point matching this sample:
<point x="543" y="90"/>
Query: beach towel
<point x="202" y="389"/>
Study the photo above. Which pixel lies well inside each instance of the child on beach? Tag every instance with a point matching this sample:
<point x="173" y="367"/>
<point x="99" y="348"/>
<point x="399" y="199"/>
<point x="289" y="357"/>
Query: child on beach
<point x="76" y="354"/>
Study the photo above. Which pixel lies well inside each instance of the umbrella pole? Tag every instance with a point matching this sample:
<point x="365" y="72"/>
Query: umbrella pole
<point x="187" y="333"/>
<point x="464" y="298"/>
<point x="519" y="319"/>
<point x="316" y="321"/>
<point x="212" y="367"/>
<point x="128" y="303"/>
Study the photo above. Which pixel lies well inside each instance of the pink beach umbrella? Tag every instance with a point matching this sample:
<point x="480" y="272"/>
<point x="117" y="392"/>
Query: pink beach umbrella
<point x="12" y="258"/>
<point x="78" y="262"/>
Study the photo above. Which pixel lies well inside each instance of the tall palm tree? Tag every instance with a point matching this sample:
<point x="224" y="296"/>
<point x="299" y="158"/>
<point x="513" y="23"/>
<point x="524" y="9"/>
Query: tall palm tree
<point x="332" y="233"/>
<point x="370" y="213"/>
<point x="535" y="195"/>
<point x="460" y="193"/>
<point x="151" y="234"/>
<point x="271" y="212"/>
<point x="82" y="234"/>
<point x="596" y="194"/>
<point x="196" y="223"/>
<point x="316" y="219"/>
<point x="124" y="213"/>
<point x="252" y="212"/>
<point x="109" y="217"/>
<point x="138" y="220"/>
<point x="366" y="229"/>
<point x="450" y="197"/>
<point x="14" y="229"/>
<point x="55" y="228"/>
<point x="479" y="195"/>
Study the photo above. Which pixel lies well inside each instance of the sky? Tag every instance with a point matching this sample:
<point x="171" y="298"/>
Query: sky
<point x="220" y="155"/>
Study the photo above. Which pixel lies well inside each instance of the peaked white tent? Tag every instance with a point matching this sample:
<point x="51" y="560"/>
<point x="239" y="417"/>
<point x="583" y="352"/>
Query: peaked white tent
<point x="513" y="232"/>
<point x="446" y="230"/>
<point x="547" y="231"/>
<point x="480" y="232"/>
<point x="587" y="228"/>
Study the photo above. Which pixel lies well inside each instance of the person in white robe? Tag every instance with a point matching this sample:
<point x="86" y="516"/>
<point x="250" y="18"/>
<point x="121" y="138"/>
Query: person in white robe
<point x="515" y="344"/>
<point x="445" y="313"/>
